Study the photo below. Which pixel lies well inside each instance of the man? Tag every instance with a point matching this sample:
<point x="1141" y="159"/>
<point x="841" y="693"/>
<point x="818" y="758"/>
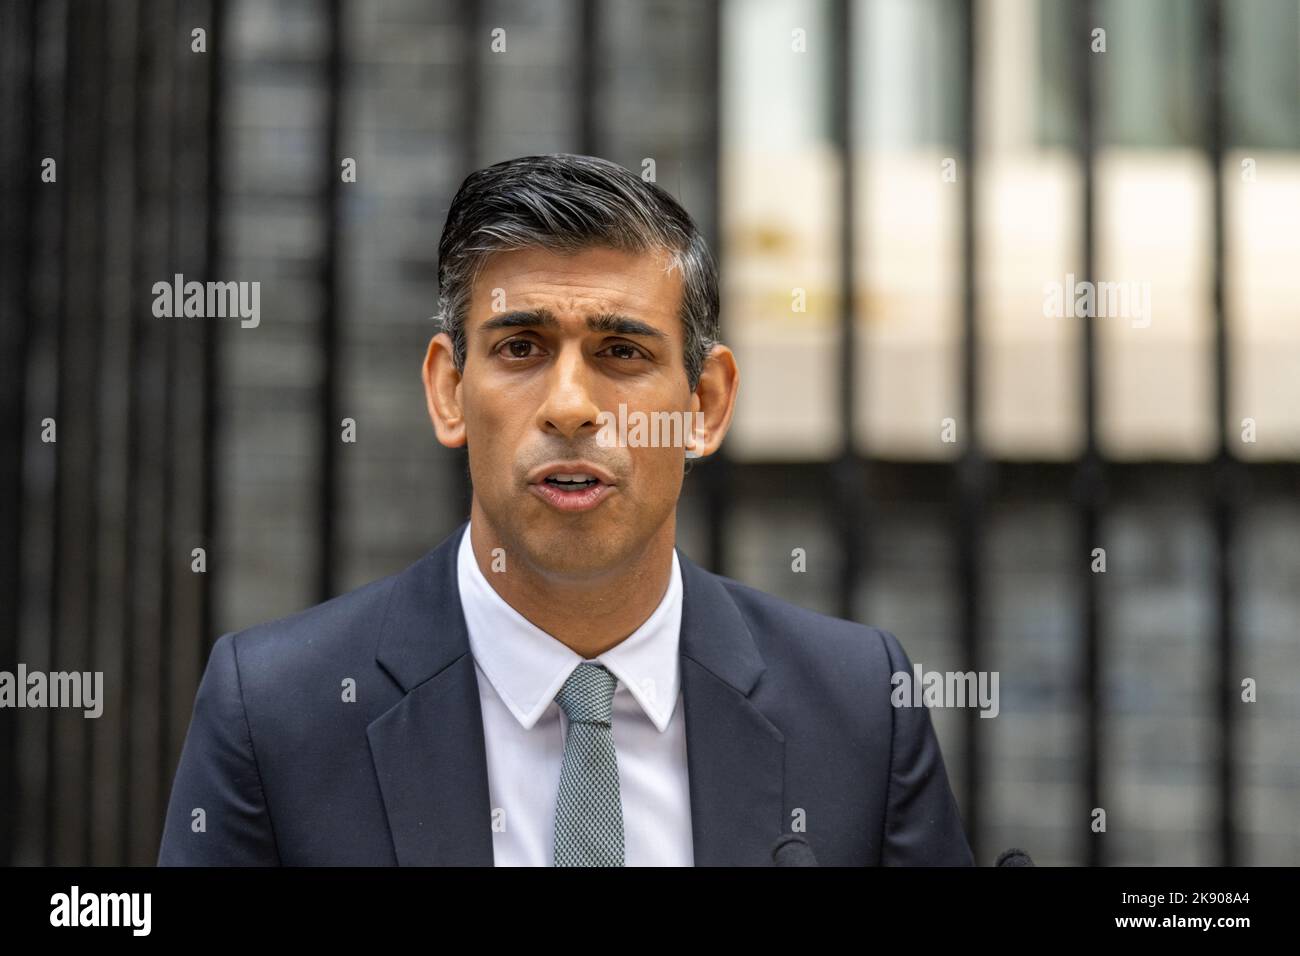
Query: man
<point x="554" y="684"/>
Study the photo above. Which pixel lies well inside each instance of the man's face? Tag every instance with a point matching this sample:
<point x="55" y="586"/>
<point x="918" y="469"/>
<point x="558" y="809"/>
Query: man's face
<point x="551" y="342"/>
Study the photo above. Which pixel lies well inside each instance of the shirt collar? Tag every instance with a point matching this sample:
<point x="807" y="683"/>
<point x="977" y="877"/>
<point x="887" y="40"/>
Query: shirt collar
<point x="527" y="667"/>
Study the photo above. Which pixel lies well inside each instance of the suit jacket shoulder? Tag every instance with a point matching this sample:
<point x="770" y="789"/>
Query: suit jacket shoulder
<point x="277" y="759"/>
<point x="827" y="684"/>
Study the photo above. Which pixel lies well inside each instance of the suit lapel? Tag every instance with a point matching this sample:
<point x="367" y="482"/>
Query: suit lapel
<point x="428" y="748"/>
<point x="735" y="756"/>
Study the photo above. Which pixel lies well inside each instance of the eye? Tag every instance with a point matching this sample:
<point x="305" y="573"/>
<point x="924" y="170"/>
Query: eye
<point x="516" y="348"/>
<point x="625" y="351"/>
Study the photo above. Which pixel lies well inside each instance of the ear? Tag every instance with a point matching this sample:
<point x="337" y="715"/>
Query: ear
<point x="442" y="392"/>
<point x="714" y="400"/>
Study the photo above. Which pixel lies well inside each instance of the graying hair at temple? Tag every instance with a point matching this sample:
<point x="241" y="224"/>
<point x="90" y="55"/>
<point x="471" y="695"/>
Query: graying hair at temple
<point x="566" y="203"/>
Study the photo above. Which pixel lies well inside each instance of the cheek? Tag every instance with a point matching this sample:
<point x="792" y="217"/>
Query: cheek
<point x="659" y="469"/>
<point x="491" y="421"/>
<point x="491" y="433"/>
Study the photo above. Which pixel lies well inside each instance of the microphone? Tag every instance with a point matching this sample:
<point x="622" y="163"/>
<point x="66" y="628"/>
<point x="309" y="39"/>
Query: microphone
<point x="793" y="850"/>
<point x="1013" y="857"/>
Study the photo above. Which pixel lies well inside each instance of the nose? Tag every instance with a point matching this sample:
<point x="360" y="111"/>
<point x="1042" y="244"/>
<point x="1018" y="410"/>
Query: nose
<point x="569" y="406"/>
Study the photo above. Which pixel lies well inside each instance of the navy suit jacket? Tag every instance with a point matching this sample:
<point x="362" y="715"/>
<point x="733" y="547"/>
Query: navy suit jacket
<point x="788" y="720"/>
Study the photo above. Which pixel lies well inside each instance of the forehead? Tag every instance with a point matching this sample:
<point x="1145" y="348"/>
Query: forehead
<point x="597" y="278"/>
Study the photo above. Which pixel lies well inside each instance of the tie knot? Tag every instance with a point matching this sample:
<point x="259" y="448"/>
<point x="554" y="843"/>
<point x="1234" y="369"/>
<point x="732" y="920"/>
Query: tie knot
<point x="587" y="697"/>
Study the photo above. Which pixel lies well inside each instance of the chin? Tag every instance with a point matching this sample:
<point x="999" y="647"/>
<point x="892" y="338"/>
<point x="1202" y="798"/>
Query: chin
<point x="579" y="562"/>
<point x="573" y="547"/>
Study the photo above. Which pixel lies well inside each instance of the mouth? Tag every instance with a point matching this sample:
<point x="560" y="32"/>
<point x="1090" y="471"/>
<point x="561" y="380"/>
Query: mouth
<point x="571" y="486"/>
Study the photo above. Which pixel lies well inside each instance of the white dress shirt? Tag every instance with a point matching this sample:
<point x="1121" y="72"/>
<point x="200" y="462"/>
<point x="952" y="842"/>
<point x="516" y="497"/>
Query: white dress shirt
<point x="520" y="669"/>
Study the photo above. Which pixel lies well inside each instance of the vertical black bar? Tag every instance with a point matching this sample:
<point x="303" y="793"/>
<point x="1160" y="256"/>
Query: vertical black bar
<point x="79" y="376"/>
<point x="588" y="63"/>
<point x="971" y="473"/>
<point x="328" y="339"/>
<point x="133" y="619"/>
<point x="469" y="134"/>
<point x="1227" y="473"/>
<point x="716" y="478"/>
<point x="131" y="504"/>
<point x="1090" y="476"/>
<point x="153" y="628"/>
<point x="847" y="470"/>
<point x="19" y="35"/>
<point x="176" y="262"/>
<point x="63" y="402"/>
<point x="181" y="498"/>
<point x="119" y="241"/>
<point x="91" y="321"/>
<point x="208" y="342"/>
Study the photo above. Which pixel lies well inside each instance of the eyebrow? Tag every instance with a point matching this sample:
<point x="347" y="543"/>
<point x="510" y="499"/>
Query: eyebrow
<point x="600" y="322"/>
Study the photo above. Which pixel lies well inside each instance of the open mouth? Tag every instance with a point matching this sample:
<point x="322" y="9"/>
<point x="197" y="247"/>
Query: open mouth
<point x="572" y="482"/>
<point x="571" y="490"/>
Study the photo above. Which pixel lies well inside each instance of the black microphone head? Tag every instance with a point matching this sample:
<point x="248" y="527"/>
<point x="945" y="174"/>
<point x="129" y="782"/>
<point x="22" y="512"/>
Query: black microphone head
<point x="1014" y="857"/>
<point x="793" y="850"/>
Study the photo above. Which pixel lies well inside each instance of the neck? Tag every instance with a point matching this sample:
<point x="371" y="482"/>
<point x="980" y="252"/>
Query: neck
<point x="587" y="614"/>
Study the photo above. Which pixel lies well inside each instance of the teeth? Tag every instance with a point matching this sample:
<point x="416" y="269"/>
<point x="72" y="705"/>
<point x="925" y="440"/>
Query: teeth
<point x="574" y="478"/>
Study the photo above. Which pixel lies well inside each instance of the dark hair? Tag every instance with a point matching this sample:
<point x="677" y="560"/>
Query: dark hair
<point x="566" y="202"/>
